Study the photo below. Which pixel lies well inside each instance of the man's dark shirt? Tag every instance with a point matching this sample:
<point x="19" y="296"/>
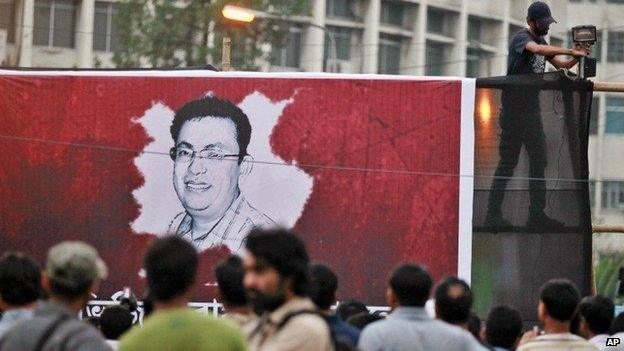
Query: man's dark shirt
<point x="522" y="61"/>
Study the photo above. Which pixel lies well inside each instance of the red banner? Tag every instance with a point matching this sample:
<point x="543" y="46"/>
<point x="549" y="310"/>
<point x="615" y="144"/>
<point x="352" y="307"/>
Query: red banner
<point x="367" y="171"/>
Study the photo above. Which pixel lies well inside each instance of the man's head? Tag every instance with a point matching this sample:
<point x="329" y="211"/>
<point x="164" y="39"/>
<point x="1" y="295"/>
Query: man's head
<point x="230" y="274"/>
<point x="276" y="268"/>
<point x="539" y="18"/>
<point x="115" y="321"/>
<point x="73" y="271"/>
<point x="409" y="285"/>
<point x="20" y="280"/>
<point x="323" y="286"/>
<point x="503" y="327"/>
<point x="171" y="265"/>
<point x="211" y="138"/>
<point x="453" y="300"/>
<point x="596" y="314"/>
<point x="559" y="299"/>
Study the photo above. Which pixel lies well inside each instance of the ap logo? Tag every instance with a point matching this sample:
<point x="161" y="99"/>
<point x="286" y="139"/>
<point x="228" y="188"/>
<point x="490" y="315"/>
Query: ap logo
<point x="613" y="341"/>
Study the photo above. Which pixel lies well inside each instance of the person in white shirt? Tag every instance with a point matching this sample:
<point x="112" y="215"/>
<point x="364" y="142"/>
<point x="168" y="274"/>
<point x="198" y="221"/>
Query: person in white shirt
<point x="595" y="317"/>
<point x="559" y="299"/>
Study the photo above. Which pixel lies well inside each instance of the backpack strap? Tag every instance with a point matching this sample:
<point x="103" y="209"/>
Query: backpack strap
<point x="338" y="343"/>
<point x="48" y="332"/>
<point x="291" y="315"/>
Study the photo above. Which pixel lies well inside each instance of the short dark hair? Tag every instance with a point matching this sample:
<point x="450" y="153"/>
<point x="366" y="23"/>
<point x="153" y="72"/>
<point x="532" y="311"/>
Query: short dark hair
<point x="283" y="250"/>
<point x="114" y="321"/>
<point x="171" y="265"/>
<point x="503" y="326"/>
<point x="323" y="286"/>
<point x="211" y="106"/>
<point x="598" y="312"/>
<point x="561" y="298"/>
<point x="348" y="308"/>
<point x="20" y="279"/>
<point x="411" y="285"/>
<point x="230" y="274"/>
<point x="451" y="307"/>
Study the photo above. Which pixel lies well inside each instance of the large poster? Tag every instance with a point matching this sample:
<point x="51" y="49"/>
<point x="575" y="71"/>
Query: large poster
<point x="371" y="171"/>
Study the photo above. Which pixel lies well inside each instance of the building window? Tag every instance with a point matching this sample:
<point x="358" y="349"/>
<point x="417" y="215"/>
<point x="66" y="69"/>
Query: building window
<point x="615" y="116"/>
<point x="474" y="30"/>
<point x="556" y="42"/>
<point x="434" y="56"/>
<point x="478" y="63"/>
<point x="513" y="30"/>
<point x="54" y="23"/>
<point x="389" y="54"/>
<point x="613" y="195"/>
<point x="392" y="13"/>
<point x="435" y="21"/>
<point x="288" y="54"/>
<point x="104" y="29"/>
<point x="594" y="116"/>
<point x="342" y="39"/>
<point x="615" y="47"/>
<point x="340" y="8"/>
<point x="7" y="18"/>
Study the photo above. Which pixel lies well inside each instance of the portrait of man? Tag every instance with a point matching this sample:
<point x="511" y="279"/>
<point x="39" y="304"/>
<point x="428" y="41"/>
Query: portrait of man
<point x="210" y="155"/>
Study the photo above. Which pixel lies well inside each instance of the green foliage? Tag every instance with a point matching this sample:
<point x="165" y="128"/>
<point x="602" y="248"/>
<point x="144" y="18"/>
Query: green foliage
<point x="170" y="33"/>
<point x="606" y="273"/>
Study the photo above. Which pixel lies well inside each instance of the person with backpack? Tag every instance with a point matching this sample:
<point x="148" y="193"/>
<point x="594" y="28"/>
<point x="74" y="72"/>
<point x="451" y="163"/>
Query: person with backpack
<point x="323" y="294"/>
<point x="73" y="272"/>
<point x="276" y="279"/>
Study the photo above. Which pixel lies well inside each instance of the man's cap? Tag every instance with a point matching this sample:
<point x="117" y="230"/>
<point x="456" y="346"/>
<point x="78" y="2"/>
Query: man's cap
<point x="540" y="12"/>
<point x="72" y="263"/>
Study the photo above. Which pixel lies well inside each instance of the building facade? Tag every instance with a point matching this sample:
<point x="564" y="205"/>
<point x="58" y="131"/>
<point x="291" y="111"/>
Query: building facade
<point x="466" y="38"/>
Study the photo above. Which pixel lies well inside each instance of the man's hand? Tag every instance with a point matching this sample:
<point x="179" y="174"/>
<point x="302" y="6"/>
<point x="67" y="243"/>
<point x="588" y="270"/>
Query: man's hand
<point x="583" y="47"/>
<point x="579" y="52"/>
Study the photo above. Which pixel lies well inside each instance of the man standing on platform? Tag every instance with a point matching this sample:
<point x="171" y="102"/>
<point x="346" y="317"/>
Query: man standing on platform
<point x="520" y="119"/>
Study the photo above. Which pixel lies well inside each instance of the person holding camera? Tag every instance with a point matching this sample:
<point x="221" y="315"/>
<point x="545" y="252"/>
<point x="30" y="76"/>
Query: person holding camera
<point x="520" y="119"/>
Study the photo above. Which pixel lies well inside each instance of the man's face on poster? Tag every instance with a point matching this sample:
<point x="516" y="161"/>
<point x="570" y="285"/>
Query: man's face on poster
<point x="206" y="185"/>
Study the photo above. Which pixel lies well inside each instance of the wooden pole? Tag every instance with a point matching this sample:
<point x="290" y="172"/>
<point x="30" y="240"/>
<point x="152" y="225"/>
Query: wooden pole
<point x="225" y="55"/>
<point x="608" y="228"/>
<point x="609" y="86"/>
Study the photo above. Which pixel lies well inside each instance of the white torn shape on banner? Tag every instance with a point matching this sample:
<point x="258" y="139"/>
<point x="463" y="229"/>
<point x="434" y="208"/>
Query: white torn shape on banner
<point x="273" y="188"/>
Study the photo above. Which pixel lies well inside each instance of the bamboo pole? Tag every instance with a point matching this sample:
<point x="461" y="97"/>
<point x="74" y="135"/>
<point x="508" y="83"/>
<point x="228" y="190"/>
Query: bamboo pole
<point x="608" y="228"/>
<point x="609" y="86"/>
<point x="618" y="88"/>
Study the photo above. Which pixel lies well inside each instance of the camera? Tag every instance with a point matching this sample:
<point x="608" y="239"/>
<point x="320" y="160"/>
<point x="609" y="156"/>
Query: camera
<point x="585" y="35"/>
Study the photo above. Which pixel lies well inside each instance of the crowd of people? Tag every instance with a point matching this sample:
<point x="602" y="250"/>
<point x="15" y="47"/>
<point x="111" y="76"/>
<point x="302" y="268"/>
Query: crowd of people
<point x="275" y="298"/>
